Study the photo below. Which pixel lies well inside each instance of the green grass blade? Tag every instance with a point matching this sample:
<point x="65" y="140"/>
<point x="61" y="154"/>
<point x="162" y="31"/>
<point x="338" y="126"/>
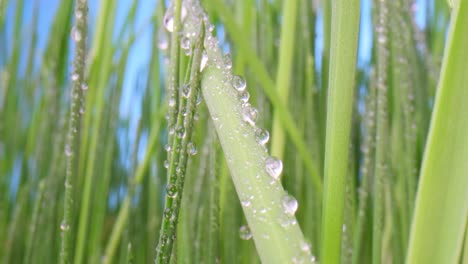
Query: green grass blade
<point x="78" y="100"/>
<point x="277" y="236"/>
<point x="441" y="206"/>
<point x="344" y="40"/>
<point x="284" y="73"/>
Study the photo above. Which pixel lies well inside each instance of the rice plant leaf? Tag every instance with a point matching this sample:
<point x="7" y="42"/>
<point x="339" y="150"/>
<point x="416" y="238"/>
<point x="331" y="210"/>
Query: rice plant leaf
<point x="441" y="208"/>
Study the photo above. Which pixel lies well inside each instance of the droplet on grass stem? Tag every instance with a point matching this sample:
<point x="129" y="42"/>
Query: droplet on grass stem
<point x="244" y="232"/>
<point x="163" y="39"/>
<point x="249" y="114"/>
<point x="204" y="61"/>
<point x="238" y="83"/>
<point x="64" y="226"/>
<point x="262" y="136"/>
<point x="168" y="19"/>
<point x="76" y="34"/>
<point x="171" y="190"/>
<point x="191" y="148"/>
<point x="289" y="205"/>
<point x="273" y="167"/>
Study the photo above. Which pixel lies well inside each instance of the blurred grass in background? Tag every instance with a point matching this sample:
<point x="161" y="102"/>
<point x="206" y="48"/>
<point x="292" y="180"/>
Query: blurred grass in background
<point x="121" y="156"/>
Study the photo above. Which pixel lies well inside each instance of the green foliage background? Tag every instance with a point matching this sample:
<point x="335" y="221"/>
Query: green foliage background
<point x="400" y="189"/>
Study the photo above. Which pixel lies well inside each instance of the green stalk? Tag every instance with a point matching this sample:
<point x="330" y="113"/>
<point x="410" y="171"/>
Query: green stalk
<point x="100" y="72"/>
<point x="366" y="172"/>
<point x="174" y="70"/>
<point x="343" y="51"/>
<point x="465" y="248"/>
<point x="283" y="77"/>
<point x="78" y="100"/>
<point x="441" y="206"/>
<point x="381" y="141"/>
<point x="32" y="236"/>
<point x="179" y="156"/>
<point x="277" y="236"/>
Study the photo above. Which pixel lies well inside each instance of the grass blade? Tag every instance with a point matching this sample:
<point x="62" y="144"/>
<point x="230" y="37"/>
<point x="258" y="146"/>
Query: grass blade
<point x="441" y="205"/>
<point x="343" y="51"/>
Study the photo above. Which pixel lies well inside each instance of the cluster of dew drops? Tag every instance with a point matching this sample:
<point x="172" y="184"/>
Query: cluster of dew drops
<point x="76" y="36"/>
<point x="273" y="166"/>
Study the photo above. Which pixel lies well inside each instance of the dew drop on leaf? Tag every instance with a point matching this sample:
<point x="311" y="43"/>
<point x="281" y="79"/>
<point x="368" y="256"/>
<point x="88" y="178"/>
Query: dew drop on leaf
<point x="68" y="150"/>
<point x="75" y="77"/>
<point x="249" y="114"/>
<point x="289" y="204"/>
<point x="204" y="61"/>
<point x="75" y="34"/>
<point x="273" y="167"/>
<point x="244" y="232"/>
<point x="84" y="87"/>
<point x="163" y="39"/>
<point x="168" y="20"/>
<point x="244" y="96"/>
<point x="186" y="90"/>
<point x="64" y="226"/>
<point x="262" y="136"/>
<point x="171" y="190"/>
<point x="185" y="43"/>
<point x="238" y="83"/>
<point x="191" y="148"/>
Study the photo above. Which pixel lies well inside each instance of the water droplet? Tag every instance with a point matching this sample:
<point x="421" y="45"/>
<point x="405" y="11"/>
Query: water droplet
<point x="163" y="39"/>
<point x="305" y="247"/>
<point x="262" y="136"/>
<point x="238" y="83"/>
<point x="169" y="214"/>
<point x="204" y="61"/>
<point x="382" y="38"/>
<point x="185" y="43"/>
<point x="191" y="148"/>
<point x="181" y="132"/>
<point x="290" y="205"/>
<point x="167" y="147"/>
<point x="75" y="77"/>
<point x="82" y="110"/>
<point x="84" y="87"/>
<point x="171" y="190"/>
<point x="244" y="96"/>
<point x="168" y="19"/>
<point x="75" y="34"/>
<point x="172" y="102"/>
<point x="186" y="90"/>
<point x="78" y="14"/>
<point x="166" y="164"/>
<point x="244" y="232"/>
<point x="249" y="114"/>
<point x="68" y="150"/>
<point x="199" y="99"/>
<point x="273" y="167"/>
<point x="246" y="203"/>
<point x="210" y="27"/>
<point x="64" y="226"/>
<point x="227" y="61"/>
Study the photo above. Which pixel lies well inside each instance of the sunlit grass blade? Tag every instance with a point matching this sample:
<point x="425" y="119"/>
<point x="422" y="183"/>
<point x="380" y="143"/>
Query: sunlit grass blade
<point x="343" y="52"/>
<point x="441" y="206"/>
